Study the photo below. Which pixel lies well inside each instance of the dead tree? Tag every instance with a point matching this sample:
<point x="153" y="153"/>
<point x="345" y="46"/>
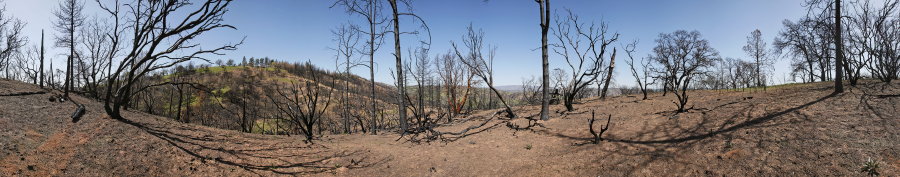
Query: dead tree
<point x="457" y="82"/>
<point x="545" y="63"/>
<point x="92" y="63"/>
<point x="41" y="71"/>
<point x="682" y="56"/>
<point x="838" y="49"/>
<point x="420" y="73"/>
<point x="12" y="41"/>
<point x="166" y="40"/>
<point x="69" y="19"/>
<point x="371" y="10"/>
<point x="401" y="78"/>
<point x="643" y="76"/>
<point x="609" y="74"/>
<point x="757" y="49"/>
<point x="347" y="38"/>
<point x="28" y="64"/>
<point x="836" y="35"/>
<point x="303" y="106"/>
<point x="478" y="64"/>
<point x="598" y="136"/>
<point x="584" y="47"/>
<point x="876" y="39"/>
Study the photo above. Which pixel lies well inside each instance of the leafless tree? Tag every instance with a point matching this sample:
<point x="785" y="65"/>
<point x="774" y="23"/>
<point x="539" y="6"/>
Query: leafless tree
<point x="347" y="38"/>
<point x="642" y="76"/>
<point x="419" y="69"/>
<point x="531" y="90"/>
<point x="758" y="50"/>
<point x="793" y="41"/>
<point x="545" y="63"/>
<point x="304" y="106"/>
<point x="12" y="41"/>
<point x="457" y="81"/>
<point x="41" y="70"/>
<point x="478" y="64"/>
<point x="835" y="7"/>
<point x="164" y="40"/>
<point x="371" y="10"/>
<point x="28" y="62"/>
<point x="401" y="78"/>
<point x="584" y="47"/>
<point x="682" y="56"/>
<point x="874" y="41"/>
<point x="92" y="63"/>
<point x="69" y="19"/>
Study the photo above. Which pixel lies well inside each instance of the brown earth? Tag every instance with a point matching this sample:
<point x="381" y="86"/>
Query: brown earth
<point x="795" y="130"/>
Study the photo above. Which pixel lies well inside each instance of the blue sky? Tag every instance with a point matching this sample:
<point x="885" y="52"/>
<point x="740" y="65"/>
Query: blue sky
<point x="299" y="30"/>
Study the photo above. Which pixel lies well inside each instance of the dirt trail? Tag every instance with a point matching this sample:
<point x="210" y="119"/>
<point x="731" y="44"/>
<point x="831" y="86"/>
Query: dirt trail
<point x="797" y="130"/>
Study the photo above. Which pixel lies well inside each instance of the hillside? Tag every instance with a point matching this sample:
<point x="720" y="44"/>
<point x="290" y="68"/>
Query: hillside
<point x="218" y="93"/>
<point x="793" y="130"/>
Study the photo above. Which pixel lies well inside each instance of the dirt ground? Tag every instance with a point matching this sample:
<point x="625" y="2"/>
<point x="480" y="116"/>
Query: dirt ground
<point x="796" y="130"/>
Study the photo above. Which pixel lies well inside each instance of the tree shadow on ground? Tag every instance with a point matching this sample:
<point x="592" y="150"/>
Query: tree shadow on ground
<point x="257" y="154"/>
<point x="684" y="135"/>
<point x="723" y="128"/>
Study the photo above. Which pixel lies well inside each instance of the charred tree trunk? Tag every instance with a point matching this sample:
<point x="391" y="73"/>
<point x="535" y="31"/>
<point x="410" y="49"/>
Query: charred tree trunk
<point x="609" y="73"/>
<point x="839" y="49"/>
<point x="545" y="63"/>
<point x="42" y="61"/>
<point x="598" y="136"/>
<point x="401" y="80"/>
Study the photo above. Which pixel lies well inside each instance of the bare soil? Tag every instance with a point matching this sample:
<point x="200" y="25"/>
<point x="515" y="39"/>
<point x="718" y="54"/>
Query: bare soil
<point x="796" y="130"/>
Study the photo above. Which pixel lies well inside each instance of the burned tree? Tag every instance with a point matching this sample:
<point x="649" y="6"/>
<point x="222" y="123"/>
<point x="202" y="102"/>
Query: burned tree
<point x="347" y="38"/>
<point x="834" y="6"/>
<point x="371" y="10"/>
<point x="598" y="136"/>
<point x="642" y="76"/>
<point x="69" y="20"/>
<point x="165" y="40"/>
<point x="12" y="41"/>
<point x="457" y="82"/>
<point x="875" y="39"/>
<point x="303" y="105"/>
<point x="682" y="55"/>
<point x="401" y="78"/>
<point x="545" y="63"/>
<point x="92" y="63"/>
<point x="419" y="70"/>
<point x="756" y="48"/>
<point x="478" y="64"/>
<point x="584" y="47"/>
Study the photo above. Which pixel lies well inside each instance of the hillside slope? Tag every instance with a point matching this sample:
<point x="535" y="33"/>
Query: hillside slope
<point x="219" y="92"/>
<point x="796" y="130"/>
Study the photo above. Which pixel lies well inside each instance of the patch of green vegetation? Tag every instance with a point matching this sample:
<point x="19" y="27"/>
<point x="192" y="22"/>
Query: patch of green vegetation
<point x="269" y="126"/>
<point x="195" y="101"/>
<point x="223" y="90"/>
<point x="870" y="167"/>
<point x="219" y="69"/>
<point x="528" y="147"/>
